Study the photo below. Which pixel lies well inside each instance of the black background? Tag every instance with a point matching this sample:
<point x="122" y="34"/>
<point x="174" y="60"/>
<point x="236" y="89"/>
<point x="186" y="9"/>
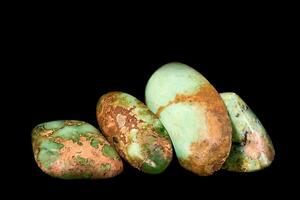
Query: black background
<point x="66" y="66"/>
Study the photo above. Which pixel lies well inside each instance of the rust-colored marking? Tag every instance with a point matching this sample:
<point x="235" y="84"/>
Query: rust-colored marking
<point x="67" y="160"/>
<point x="207" y="155"/>
<point x="118" y="120"/>
<point x="205" y="94"/>
<point x="256" y="145"/>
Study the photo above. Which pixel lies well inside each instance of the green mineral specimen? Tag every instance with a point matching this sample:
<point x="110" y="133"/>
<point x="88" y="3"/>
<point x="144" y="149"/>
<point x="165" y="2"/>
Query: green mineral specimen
<point x="71" y="149"/>
<point x="135" y="132"/>
<point x="252" y="148"/>
<point x="194" y="115"/>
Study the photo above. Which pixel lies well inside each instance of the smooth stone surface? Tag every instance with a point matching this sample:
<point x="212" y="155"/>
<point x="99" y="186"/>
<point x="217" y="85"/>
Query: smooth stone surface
<point x="71" y="149"/>
<point x="135" y="132"/>
<point x="252" y="148"/>
<point x="193" y="114"/>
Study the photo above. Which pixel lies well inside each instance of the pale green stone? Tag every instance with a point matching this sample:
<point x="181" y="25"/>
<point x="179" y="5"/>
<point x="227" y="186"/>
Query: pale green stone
<point x="134" y="151"/>
<point x="252" y="148"/>
<point x="194" y="115"/>
<point x="169" y="80"/>
<point x="185" y="118"/>
<point x="163" y="86"/>
<point x="54" y="124"/>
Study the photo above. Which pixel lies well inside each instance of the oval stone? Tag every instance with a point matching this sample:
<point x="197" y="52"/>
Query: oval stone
<point x="252" y="148"/>
<point x="194" y="115"/>
<point x="71" y="149"/>
<point x="135" y="132"/>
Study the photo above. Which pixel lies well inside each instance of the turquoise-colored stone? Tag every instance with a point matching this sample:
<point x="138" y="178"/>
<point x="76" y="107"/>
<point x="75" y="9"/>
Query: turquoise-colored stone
<point x="71" y="149"/>
<point x="252" y="148"/>
<point x="194" y="115"/>
<point x="136" y="133"/>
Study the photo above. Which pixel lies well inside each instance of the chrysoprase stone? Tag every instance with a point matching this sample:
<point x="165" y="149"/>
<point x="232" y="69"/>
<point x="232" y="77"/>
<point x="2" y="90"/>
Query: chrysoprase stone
<point x="252" y="148"/>
<point x="194" y="115"/>
<point x="135" y="132"/>
<point x="71" y="149"/>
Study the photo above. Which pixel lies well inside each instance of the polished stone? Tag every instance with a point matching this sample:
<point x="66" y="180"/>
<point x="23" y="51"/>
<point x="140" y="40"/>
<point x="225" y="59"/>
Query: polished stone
<point x="71" y="149"/>
<point x="194" y="115"/>
<point x="252" y="148"/>
<point x="135" y="132"/>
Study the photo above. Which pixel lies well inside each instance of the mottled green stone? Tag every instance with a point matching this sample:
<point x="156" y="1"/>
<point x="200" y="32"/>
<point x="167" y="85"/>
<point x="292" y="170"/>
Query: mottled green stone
<point x="109" y="151"/>
<point x="194" y="115"/>
<point x="71" y="149"/>
<point x="49" y="152"/>
<point x="252" y="148"/>
<point x="105" y="167"/>
<point x="136" y="133"/>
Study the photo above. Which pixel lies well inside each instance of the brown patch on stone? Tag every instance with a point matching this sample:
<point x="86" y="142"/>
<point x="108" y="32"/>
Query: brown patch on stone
<point x="121" y="119"/>
<point x="113" y="118"/>
<point x="257" y="145"/>
<point x="130" y="120"/>
<point x="117" y="121"/>
<point x="46" y="133"/>
<point x="67" y="160"/>
<point x="209" y="154"/>
<point x="73" y="123"/>
<point x="160" y="109"/>
<point x="205" y="94"/>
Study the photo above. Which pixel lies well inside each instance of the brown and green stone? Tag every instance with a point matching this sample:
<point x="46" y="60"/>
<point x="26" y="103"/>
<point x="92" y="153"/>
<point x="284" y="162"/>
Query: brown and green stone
<point x="71" y="149"/>
<point x="194" y="115"/>
<point x="135" y="132"/>
<point x="252" y="148"/>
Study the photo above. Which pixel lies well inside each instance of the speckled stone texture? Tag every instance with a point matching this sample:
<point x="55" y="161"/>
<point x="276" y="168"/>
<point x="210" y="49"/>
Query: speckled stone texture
<point x="252" y="148"/>
<point x="136" y="133"/>
<point x="71" y="149"/>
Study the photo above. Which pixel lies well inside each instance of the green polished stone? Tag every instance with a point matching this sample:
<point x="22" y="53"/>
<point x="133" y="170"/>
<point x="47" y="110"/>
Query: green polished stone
<point x="71" y="149"/>
<point x="252" y="148"/>
<point x="135" y="132"/>
<point x="193" y="114"/>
